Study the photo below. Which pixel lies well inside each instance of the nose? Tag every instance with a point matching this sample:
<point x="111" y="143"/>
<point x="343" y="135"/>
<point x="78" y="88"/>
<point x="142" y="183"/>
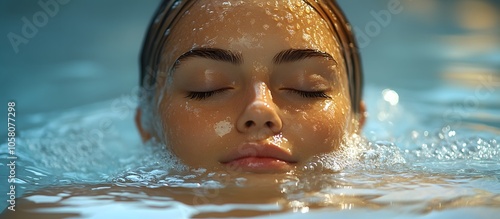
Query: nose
<point x="260" y="116"/>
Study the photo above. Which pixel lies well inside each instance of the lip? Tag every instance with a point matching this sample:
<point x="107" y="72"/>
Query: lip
<point x="259" y="158"/>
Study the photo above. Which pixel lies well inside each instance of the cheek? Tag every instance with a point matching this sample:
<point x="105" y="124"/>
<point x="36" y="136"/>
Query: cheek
<point x="192" y="130"/>
<point x="185" y="126"/>
<point x="321" y="128"/>
<point x="328" y="124"/>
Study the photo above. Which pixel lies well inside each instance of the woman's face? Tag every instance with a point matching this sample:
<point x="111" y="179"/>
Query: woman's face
<point x="254" y="87"/>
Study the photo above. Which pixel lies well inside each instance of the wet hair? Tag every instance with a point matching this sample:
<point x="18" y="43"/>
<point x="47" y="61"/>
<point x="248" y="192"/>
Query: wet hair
<point x="170" y="11"/>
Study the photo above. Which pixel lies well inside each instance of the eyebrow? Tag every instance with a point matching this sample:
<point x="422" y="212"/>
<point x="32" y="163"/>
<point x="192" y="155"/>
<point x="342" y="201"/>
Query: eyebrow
<point x="293" y="55"/>
<point x="211" y="53"/>
<point x="285" y="56"/>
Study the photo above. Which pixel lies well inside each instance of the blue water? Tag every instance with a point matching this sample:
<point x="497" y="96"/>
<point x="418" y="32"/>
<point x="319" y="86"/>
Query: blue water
<point x="432" y="146"/>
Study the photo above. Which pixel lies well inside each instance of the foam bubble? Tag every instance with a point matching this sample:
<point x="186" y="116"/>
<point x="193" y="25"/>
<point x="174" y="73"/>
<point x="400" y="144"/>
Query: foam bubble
<point x="337" y="160"/>
<point x="223" y="127"/>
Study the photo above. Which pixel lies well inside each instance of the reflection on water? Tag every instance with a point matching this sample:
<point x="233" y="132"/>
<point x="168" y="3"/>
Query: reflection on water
<point x="400" y="192"/>
<point x="477" y="15"/>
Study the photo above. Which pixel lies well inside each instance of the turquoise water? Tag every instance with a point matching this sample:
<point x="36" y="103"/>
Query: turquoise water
<point x="419" y="173"/>
<point x="432" y="138"/>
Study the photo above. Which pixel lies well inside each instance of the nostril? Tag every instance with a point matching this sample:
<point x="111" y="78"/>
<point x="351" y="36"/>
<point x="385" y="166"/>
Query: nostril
<point x="249" y="124"/>
<point x="269" y="124"/>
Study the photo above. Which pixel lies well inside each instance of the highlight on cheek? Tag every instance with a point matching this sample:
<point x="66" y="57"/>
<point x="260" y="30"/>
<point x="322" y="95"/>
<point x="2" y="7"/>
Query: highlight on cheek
<point x="329" y="106"/>
<point x="223" y="127"/>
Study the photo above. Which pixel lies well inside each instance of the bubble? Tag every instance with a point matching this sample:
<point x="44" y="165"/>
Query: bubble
<point x="382" y="154"/>
<point x="346" y="156"/>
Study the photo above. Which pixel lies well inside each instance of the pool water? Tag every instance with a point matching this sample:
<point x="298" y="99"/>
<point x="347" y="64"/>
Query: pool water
<point x="430" y="149"/>
<point x="95" y="166"/>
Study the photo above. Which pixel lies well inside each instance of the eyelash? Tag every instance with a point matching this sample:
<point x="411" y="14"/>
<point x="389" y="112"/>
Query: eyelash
<point x="305" y="94"/>
<point x="203" y="95"/>
<point x="311" y="94"/>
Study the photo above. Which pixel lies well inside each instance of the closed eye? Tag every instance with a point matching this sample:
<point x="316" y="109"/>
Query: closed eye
<point x="310" y="94"/>
<point x="205" y="94"/>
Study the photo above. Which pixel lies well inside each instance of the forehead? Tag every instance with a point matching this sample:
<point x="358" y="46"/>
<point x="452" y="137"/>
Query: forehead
<point x="251" y="25"/>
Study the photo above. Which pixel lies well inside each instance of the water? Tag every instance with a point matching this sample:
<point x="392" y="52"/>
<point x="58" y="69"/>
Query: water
<point x="431" y="150"/>
<point x="97" y="169"/>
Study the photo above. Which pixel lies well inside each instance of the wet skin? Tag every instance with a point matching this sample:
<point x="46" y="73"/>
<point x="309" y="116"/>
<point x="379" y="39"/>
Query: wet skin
<point x="251" y="87"/>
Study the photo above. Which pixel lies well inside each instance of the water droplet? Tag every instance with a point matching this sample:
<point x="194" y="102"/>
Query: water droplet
<point x="308" y="10"/>
<point x="290" y="30"/>
<point x="289" y="17"/>
<point x="268" y="12"/>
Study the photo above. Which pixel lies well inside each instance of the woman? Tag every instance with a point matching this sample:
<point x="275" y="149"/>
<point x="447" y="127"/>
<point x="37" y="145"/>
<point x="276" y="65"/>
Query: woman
<point x="257" y="86"/>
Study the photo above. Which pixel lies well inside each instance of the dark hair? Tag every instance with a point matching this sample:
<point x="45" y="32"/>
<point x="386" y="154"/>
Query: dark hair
<point x="170" y="11"/>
